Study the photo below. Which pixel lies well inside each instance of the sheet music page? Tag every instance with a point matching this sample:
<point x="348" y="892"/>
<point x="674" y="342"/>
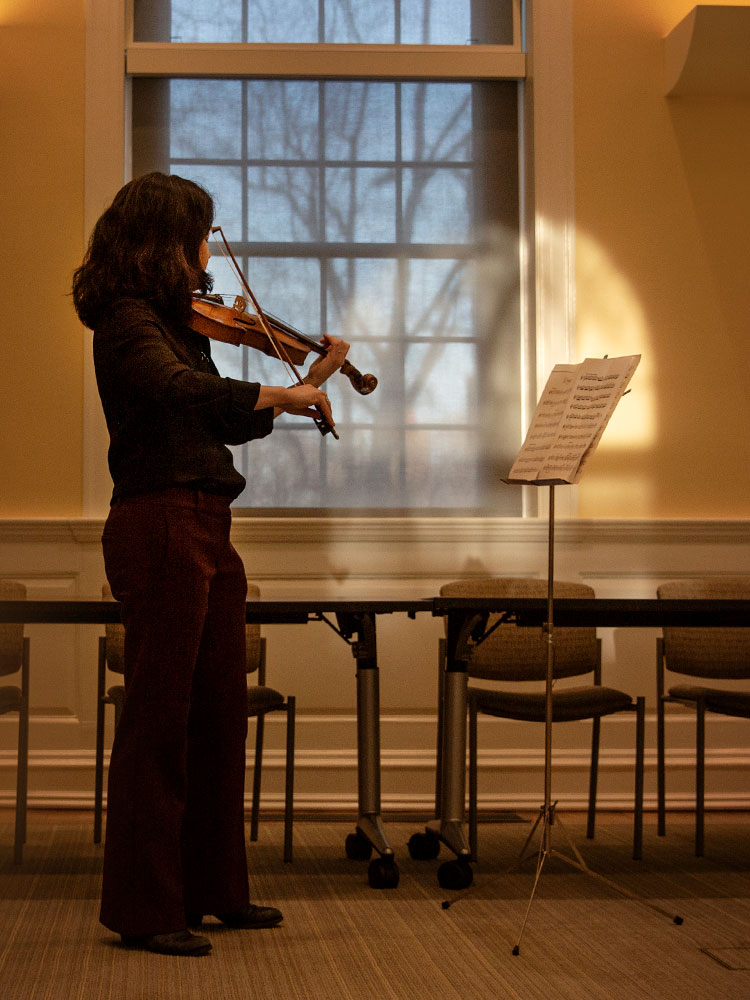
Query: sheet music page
<point x="570" y="418"/>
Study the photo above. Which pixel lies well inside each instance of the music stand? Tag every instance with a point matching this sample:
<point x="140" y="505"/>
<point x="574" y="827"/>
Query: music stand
<point x="547" y="816"/>
<point x="569" y="420"/>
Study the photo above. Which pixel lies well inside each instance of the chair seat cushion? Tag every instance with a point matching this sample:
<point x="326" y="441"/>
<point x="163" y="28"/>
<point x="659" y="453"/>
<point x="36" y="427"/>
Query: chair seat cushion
<point x="717" y="700"/>
<point x="10" y="698"/>
<point x="568" y="704"/>
<point x="263" y="699"/>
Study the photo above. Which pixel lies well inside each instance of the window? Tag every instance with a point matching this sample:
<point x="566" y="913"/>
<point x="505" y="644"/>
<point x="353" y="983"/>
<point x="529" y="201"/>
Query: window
<point x="376" y="196"/>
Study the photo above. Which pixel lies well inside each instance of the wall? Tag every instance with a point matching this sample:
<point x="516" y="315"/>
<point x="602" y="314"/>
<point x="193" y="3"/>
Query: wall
<point x="661" y="250"/>
<point x="41" y="176"/>
<point x="662" y="204"/>
<point x="660" y="255"/>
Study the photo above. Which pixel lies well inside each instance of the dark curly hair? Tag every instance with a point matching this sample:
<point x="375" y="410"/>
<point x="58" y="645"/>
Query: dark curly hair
<point x="145" y="246"/>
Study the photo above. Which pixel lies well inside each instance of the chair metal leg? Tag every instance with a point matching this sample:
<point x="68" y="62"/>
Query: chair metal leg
<point x="593" y="775"/>
<point x="289" y="784"/>
<point x="473" y="778"/>
<point x="99" y="751"/>
<point x="660" y="768"/>
<point x="439" y="735"/>
<point x="21" y="782"/>
<point x="640" y="741"/>
<point x="99" y="772"/>
<point x="700" y="773"/>
<point x="22" y="767"/>
<point x="255" y="810"/>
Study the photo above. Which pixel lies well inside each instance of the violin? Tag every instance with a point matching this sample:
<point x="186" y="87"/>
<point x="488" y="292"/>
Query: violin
<point x="214" y="319"/>
<point x="235" y="325"/>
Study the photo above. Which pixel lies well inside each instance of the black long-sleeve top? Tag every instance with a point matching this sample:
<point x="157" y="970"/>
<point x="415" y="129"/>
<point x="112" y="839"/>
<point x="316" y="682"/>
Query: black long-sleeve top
<point x="169" y="413"/>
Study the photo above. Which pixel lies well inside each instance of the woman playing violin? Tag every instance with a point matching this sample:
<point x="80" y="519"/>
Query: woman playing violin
<point x="175" y="841"/>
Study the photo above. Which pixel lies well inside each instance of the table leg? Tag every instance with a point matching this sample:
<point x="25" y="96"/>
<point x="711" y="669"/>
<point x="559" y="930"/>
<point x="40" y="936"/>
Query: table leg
<point x="383" y="872"/>
<point x="448" y="827"/>
<point x="450" y="823"/>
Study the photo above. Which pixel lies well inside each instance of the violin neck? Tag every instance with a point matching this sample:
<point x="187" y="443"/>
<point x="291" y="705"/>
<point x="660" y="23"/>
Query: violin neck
<point x="301" y="337"/>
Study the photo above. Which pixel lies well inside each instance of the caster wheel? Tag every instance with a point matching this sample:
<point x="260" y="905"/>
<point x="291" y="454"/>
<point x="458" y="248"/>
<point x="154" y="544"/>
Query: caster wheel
<point x="423" y="846"/>
<point x="357" y="847"/>
<point x="382" y="874"/>
<point x="455" y="875"/>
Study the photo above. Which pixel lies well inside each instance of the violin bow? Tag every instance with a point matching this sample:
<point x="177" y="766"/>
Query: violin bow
<point x="321" y="421"/>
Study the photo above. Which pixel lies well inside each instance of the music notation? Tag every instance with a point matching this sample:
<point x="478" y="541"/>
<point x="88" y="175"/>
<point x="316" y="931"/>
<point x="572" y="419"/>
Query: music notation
<point x="570" y="418"/>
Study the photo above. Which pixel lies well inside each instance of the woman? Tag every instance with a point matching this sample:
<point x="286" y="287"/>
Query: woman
<point x="175" y="844"/>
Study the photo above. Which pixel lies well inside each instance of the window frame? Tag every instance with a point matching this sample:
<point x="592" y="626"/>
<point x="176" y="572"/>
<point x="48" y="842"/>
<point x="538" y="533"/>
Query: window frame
<point x="540" y="57"/>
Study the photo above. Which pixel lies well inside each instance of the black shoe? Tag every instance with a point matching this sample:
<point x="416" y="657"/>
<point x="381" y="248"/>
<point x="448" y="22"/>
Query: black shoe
<point x="252" y="916"/>
<point x="176" y="943"/>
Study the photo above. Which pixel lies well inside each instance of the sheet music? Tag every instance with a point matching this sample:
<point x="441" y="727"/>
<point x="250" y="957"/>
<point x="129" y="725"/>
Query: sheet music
<point x="570" y="418"/>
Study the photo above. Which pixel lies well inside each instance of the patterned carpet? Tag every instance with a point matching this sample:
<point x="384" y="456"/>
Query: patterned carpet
<point x="342" y="940"/>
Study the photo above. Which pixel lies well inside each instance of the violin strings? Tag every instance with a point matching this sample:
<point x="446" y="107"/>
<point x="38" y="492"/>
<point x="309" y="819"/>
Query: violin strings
<point x="229" y="258"/>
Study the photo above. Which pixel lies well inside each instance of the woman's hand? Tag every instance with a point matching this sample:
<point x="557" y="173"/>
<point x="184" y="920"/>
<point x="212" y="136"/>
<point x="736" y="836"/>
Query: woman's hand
<point x="300" y="400"/>
<point x="304" y="398"/>
<point x="325" y="365"/>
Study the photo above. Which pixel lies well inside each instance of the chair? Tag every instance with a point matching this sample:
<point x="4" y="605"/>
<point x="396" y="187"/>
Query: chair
<point x="14" y="656"/>
<point x="111" y="657"/>
<point x="260" y="701"/>
<point x="710" y="653"/>
<point x="519" y="654"/>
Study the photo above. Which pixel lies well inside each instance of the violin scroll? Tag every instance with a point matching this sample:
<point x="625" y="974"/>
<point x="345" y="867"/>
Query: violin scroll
<point x="363" y="384"/>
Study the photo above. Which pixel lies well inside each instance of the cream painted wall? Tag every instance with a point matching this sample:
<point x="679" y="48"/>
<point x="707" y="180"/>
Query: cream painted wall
<point x="653" y="276"/>
<point x="662" y="212"/>
<point x="661" y="197"/>
<point x="41" y="177"/>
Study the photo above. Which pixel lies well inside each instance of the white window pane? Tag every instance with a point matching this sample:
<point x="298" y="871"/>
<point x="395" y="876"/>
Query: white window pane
<point x="435" y="22"/>
<point x="283" y="204"/>
<point x="360" y="21"/>
<point x="442" y="469"/>
<point x="439" y="299"/>
<point x="206" y="119"/>
<point x="209" y="21"/>
<point x="360" y="205"/>
<point x="288" y="288"/>
<point x="414" y="22"/>
<point x="438" y="122"/>
<point x="282" y="470"/>
<point x="442" y="384"/>
<point x="361" y="296"/>
<point x="360" y="121"/>
<point x="240" y="21"/>
<point x="282" y="119"/>
<point x="228" y="359"/>
<point x="437" y="206"/>
<point x="367" y="471"/>
<point x="282" y="21"/>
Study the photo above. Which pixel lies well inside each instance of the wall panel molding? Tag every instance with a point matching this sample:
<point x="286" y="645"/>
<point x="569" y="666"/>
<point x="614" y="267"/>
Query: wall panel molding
<point x="408" y="557"/>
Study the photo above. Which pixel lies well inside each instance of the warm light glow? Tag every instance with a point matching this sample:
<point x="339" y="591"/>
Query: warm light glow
<point x="19" y="12"/>
<point x="610" y="320"/>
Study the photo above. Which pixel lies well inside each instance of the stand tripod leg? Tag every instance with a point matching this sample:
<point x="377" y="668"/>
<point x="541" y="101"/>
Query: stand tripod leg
<point x="541" y="858"/>
<point x="581" y="865"/>
<point x="522" y="856"/>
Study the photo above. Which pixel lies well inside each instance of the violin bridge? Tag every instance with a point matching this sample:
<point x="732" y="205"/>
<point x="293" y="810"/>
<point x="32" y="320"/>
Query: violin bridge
<point x="240" y="304"/>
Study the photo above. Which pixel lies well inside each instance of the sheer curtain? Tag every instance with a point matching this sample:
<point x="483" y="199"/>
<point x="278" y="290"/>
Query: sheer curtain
<point x="382" y="211"/>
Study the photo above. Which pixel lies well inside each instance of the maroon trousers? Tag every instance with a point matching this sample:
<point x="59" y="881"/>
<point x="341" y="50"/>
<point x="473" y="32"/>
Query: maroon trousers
<point x="175" y="840"/>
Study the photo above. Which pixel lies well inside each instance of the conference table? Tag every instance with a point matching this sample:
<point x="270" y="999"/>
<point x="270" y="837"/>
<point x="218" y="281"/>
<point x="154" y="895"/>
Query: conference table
<point x="354" y="620"/>
<point x="466" y="621"/>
